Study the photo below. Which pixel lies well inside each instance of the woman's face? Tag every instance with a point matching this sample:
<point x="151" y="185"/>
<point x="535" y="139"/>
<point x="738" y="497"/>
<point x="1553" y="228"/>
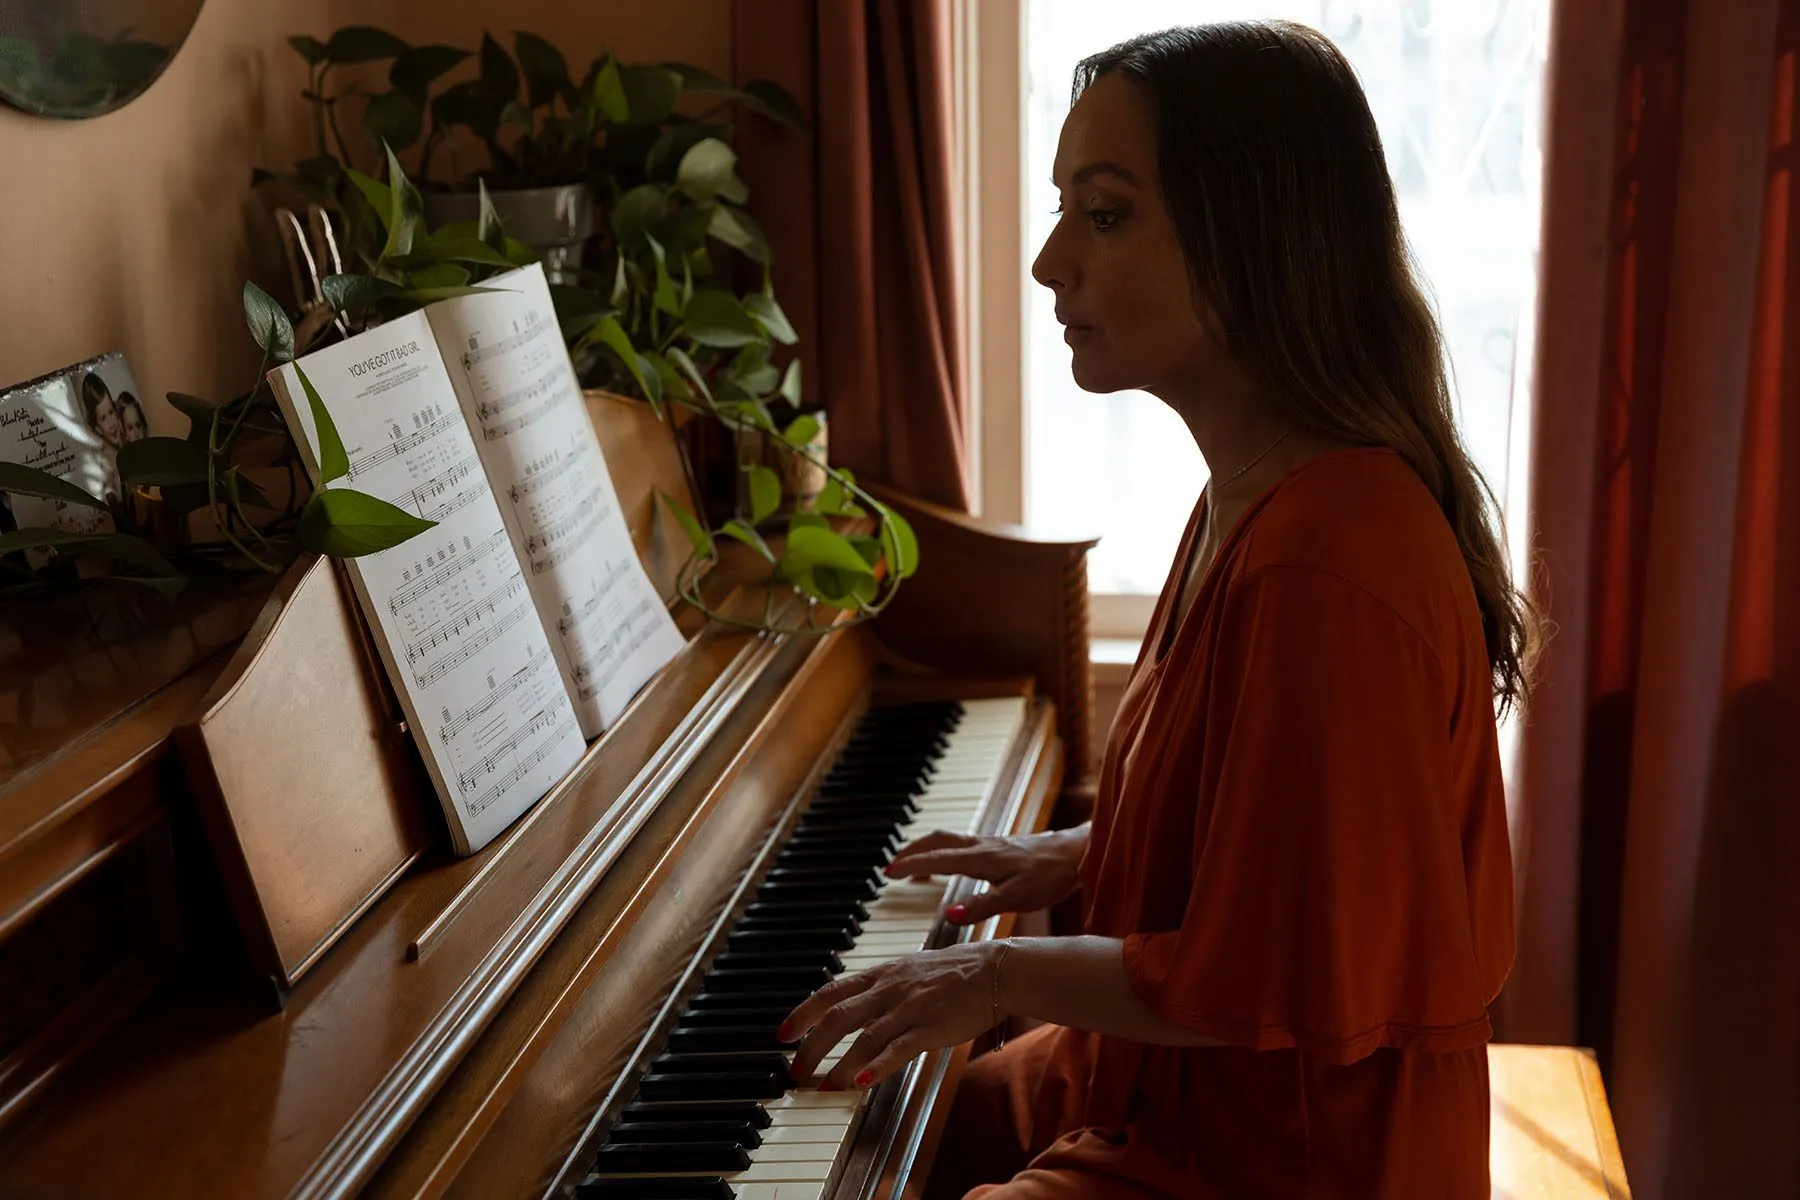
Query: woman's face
<point x="106" y="419"/>
<point x="131" y="421"/>
<point x="1122" y="286"/>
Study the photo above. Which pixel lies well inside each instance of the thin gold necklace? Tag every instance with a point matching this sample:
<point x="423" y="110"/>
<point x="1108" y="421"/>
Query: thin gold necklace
<point x="1216" y="484"/>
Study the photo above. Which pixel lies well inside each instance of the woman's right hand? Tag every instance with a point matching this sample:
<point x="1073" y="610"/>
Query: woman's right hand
<point x="1024" y="873"/>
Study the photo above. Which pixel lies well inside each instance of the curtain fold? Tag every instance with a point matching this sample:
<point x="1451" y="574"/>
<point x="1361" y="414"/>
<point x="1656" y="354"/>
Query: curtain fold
<point x="860" y="211"/>
<point x="1659" y="774"/>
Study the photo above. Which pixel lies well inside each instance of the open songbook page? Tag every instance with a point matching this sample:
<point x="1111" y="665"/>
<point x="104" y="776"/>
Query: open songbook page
<point x="523" y="623"/>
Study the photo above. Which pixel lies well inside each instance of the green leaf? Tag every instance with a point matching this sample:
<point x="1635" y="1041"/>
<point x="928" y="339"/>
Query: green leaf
<point x="415" y="71"/>
<point x="346" y="523"/>
<point x="310" y="48"/>
<point x="161" y="460"/>
<point x="122" y="546"/>
<point x="675" y="141"/>
<point x="438" y="275"/>
<point x="609" y="93"/>
<point x="841" y="589"/>
<point x="664" y="297"/>
<point x="499" y="77"/>
<point x="516" y="114"/>
<point x="378" y="194"/>
<point x="487" y="227"/>
<point x="431" y="295"/>
<point x="441" y="249"/>
<point x="333" y="462"/>
<point x="638" y="210"/>
<point x="393" y="119"/>
<point x="406" y="210"/>
<point x="899" y="542"/>
<point x="715" y="318"/>
<point x="790" y="384"/>
<point x="355" y="293"/>
<point x="773" y="101"/>
<point x="806" y="520"/>
<point x="698" y="536"/>
<point x="738" y="230"/>
<point x="745" y="534"/>
<point x="612" y="335"/>
<point x="800" y="433"/>
<point x="765" y="492"/>
<point x="269" y="324"/>
<point x="650" y="94"/>
<point x="697" y="79"/>
<point x="196" y="409"/>
<point x="361" y="43"/>
<point x="686" y="367"/>
<point x="28" y="481"/>
<point x="830" y="500"/>
<point x="868" y="547"/>
<point x="768" y="314"/>
<point x="546" y="72"/>
<point x="466" y="104"/>
<point x="708" y="170"/>
<point x="812" y="546"/>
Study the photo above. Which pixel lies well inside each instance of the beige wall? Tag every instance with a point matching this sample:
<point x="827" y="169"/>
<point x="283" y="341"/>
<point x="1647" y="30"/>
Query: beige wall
<point x="136" y="230"/>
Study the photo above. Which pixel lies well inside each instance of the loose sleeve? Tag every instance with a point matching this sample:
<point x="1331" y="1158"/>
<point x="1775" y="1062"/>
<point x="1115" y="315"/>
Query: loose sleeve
<point x="1329" y="907"/>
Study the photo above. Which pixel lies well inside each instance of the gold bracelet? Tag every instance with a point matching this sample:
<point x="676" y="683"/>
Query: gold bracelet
<point x="994" y="994"/>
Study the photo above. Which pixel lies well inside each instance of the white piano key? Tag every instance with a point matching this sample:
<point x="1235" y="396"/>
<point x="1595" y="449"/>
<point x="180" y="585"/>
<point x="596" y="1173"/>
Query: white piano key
<point x="789" y="1190"/>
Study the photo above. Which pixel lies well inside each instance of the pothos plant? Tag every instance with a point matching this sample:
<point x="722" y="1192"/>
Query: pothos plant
<point x="697" y="332"/>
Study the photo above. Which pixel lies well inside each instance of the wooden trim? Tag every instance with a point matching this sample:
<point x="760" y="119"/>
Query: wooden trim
<point x="993" y="128"/>
<point x="1606" y="1138"/>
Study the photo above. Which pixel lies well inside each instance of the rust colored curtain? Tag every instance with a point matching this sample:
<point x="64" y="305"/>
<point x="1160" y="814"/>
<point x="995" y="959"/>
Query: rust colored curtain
<point x="1657" y="818"/>
<point x="859" y="211"/>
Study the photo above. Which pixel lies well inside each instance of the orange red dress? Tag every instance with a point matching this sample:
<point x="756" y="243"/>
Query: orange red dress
<point x="1301" y="838"/>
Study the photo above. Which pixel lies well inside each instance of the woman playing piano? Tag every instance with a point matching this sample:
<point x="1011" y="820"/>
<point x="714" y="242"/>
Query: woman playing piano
<point x="1296" y="883"/>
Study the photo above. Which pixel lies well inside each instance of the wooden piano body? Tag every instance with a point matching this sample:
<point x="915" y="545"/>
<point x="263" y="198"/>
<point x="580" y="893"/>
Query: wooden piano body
<point x="457" y="1031"/>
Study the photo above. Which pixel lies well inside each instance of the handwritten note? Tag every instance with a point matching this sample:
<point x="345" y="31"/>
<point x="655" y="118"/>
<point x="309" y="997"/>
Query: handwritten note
<point x="41" y="426"/>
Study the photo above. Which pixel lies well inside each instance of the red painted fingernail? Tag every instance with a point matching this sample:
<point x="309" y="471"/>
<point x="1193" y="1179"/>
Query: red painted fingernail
<point x="958" y="913"/>
<point x="865" y="1079"/>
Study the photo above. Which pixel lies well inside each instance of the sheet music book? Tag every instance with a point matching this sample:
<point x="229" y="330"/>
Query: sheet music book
<point x="523" y="623"/>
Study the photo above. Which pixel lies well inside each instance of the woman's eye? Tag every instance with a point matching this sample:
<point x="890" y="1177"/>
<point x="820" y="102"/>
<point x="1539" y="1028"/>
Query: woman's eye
<point x="1102" y="219"/>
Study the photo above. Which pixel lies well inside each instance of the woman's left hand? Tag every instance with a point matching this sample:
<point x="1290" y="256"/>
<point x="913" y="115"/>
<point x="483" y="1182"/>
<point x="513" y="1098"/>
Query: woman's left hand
<point x="906" y="1007"/>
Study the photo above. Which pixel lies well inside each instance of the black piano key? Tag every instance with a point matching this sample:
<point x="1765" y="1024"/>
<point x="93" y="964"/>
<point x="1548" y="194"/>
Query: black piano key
<point x="768" y="981"/>
<point x="769" y="1015"/>
<point x="854" y="910"/>
<point x="865" y="805"/>
<point x="745" y="1112"/>
<point x="842" y="842"/>
<point x="687" y="1088"/>
<point x="870" y="855"/>
<point x="771" y="1062"/>
<point x="821" y="874"/>
<point x="829" y="938"/>
<point x="725" y="1039"/>
<point x="642" y="1187"/>
<point x="771" y="921"/>
<point x="849" y="820"/>
<point x="743" y="1133"/>
<point x="775" y="893"/>
<point x="763" y="960"/>
<point x="741" y="1001"/>
<point x="635" y="1158"/>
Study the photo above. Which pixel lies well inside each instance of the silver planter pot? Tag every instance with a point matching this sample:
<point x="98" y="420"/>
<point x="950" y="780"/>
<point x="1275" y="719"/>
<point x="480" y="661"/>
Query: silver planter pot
<point x="553" y="221"/>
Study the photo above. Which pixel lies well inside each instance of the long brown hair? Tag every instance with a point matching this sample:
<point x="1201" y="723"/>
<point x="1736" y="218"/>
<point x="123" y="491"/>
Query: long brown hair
<point x="1274" y="178"/>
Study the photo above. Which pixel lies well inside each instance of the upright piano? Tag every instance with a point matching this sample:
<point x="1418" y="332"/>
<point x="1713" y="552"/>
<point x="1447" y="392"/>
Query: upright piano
<point x="587" y="1006"/>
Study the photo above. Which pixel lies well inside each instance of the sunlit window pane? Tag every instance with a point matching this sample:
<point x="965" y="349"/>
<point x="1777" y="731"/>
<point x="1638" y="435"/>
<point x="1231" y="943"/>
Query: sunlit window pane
<point x="1455" y="87"/>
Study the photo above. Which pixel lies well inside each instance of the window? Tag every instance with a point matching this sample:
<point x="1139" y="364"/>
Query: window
<point x="1456" y="89"/>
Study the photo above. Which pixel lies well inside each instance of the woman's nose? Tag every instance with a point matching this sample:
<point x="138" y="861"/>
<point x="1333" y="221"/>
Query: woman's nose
<point x="1051" y="267"/>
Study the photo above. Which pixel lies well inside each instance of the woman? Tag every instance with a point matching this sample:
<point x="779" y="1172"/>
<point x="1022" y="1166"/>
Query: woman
<point x="102" y="413"/>
<point x="1296" y="883"/>
<point x="132" y="425"/>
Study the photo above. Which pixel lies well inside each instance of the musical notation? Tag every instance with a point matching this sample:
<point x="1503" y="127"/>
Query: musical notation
<point x="438" y="484"/>
<point x="622" y="640"/>
<point x="536" y="389"/>
<point x="506" y="687"/>
<point x="457" y="630"/>
<point x="552" y="398"/>
<point x="441" y="574"/>
<point x="522" y="767"/>
<point x="536" y="483"/>
<point x="535" y="326"/>
<point x="576" y="523"/>
<point x="449" y="419"/>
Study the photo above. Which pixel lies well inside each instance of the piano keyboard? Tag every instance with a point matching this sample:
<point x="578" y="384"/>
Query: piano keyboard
<point x="718" y="1115"/>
